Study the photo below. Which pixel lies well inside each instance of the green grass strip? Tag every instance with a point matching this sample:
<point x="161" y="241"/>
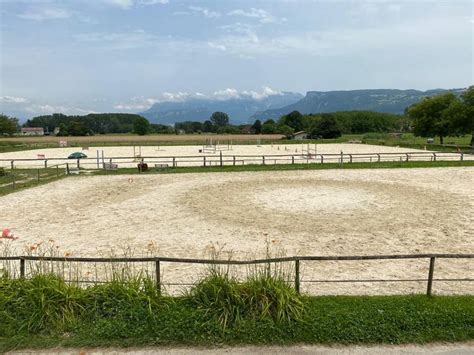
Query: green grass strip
<point x="124" y="322"/>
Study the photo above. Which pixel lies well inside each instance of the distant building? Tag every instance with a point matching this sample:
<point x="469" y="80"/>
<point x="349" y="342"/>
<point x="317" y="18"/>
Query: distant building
<point x="32" y="131"/>
<point x="299" y="135"/>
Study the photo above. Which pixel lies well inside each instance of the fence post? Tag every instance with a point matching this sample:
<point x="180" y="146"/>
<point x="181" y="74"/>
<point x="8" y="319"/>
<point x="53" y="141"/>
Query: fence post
<point x="220" y="157"/>
<point x="67" y="168"/>
<point x="408" y="157"/>
<point x="22" y="268"/>
<point x="350" y="158"/>
<point x="174" y="162"/>
<point x="78" y="164"/>
<point x="263" y="159"/>
<point x="12" y="164"/>
<point x="434" y="156"/>
<point x="46" y="163"/>
<point x="292" y="159"/>
<point x="234" y="160"/>
<point x="204" y="161"/>
<point x="297" y="276"/>
<point x="461" y="156"/>
<point x="430" y="276"/>
<point x="158" y="275"/>
<point x="322" y="159"/>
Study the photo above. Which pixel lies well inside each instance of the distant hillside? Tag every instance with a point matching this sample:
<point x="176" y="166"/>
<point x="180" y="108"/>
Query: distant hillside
<point x="240" y="110"/>
<point x="379" y="100"/>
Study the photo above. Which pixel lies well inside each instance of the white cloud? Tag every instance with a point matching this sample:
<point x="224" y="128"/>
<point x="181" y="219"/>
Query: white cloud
<point x="217" y="46"/>
<point x="231" y="93"/>
<point x="179" y="96"/>
<point x="266" y="92"/>
<point x="153" y="2"/>
<point x="128" y="4"/>
<point x="228" y="93"/>
<point x="42" y="109"/>
<point x="141" y="103"/>
<point x="121" y="40"/>
<point x="137" y="103"/>
<point x="46" y="14"/>
<point x="124" y="4"/>
<point x="13" y="100"/>
<point x="131" y="107"/>
<point x="165" y="45"/>
<point x="262" y="15"/>
<point x="204" y="11"/>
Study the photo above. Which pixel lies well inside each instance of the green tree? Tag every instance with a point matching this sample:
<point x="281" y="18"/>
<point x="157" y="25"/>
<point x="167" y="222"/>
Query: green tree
<point x="141" y="126"/>
<point x="431" y="116"/>
<point x="8" y="125"/>
<point x="77" y="128"/>
<point x="257" y="127"/>
<point x="207" y="126"/>
<point x="465" y="122"/>
<point x="327" y="127"/>
<point x="219" y="119"/>
<point x="294" y="120"/>
<point x="269" y="127"/>
<point x="285" y="130"/>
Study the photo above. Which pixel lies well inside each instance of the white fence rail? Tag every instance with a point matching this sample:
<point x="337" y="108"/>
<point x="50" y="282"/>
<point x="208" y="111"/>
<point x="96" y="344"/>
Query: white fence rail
<point x="207" y="160"/>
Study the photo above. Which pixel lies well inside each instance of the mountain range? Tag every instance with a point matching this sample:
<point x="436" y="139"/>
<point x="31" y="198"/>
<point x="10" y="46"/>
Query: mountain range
<point x="379" y="100"/>
<point x="247" y="109"/>
<point x="240" y="109"/>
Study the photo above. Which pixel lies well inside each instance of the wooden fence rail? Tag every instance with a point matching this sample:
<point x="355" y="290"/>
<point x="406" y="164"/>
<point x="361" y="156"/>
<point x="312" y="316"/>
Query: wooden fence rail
<point x="297" y="260"/>
<point x="227" y="159"/>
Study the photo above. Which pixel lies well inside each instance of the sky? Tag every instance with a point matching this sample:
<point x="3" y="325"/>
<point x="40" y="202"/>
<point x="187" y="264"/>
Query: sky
<point x="81" y="56"/>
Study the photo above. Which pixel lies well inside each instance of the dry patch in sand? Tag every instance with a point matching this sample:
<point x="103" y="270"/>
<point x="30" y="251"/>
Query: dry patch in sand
<point x="333" y="212"/>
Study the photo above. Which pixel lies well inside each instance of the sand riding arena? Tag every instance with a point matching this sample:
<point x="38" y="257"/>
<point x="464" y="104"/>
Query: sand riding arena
<point x="326" y="212"/>
<point x="215" y="153"/>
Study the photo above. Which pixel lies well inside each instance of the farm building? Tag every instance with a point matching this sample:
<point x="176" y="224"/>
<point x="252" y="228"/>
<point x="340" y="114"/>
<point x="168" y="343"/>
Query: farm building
<point x="32" y="131"/>
<point x="299" y="135"/>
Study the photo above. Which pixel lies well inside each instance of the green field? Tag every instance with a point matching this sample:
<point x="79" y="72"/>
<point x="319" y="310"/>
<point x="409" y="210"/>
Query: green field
<point x="12" y="181"/>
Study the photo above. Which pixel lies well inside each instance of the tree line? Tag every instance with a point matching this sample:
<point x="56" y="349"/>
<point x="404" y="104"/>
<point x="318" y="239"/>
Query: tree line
<point x="334" y="124"/>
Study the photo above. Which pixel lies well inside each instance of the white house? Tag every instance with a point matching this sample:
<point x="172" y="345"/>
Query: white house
<point x="299" y="135"/>
<point x="32" y="131"/>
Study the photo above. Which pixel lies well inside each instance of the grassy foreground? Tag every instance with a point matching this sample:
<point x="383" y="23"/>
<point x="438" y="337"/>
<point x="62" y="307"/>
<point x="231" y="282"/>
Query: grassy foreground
<point x="46" y="312"/>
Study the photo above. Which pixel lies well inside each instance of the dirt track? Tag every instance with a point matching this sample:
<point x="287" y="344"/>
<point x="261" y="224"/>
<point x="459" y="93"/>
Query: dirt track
<point x="334" y="212"/>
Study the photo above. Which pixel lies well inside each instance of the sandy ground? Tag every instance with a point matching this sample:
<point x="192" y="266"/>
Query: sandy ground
<point x="452" y="349"/>
<point x="163" y="154"/>
<point x="331" y="212"/>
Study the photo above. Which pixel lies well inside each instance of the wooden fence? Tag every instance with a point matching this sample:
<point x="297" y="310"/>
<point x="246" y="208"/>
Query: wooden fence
<point x="14" y="179"/>
<point x="296" y="260"/>
<point x="206" y="160"/>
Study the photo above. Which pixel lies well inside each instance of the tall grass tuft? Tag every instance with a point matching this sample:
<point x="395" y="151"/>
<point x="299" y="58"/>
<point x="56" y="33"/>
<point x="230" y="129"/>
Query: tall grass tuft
<point x="44" y="303"/>
<point x="264" y="294"/>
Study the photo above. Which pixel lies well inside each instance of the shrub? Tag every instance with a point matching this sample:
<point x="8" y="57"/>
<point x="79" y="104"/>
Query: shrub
<point x="262" y="296"/>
